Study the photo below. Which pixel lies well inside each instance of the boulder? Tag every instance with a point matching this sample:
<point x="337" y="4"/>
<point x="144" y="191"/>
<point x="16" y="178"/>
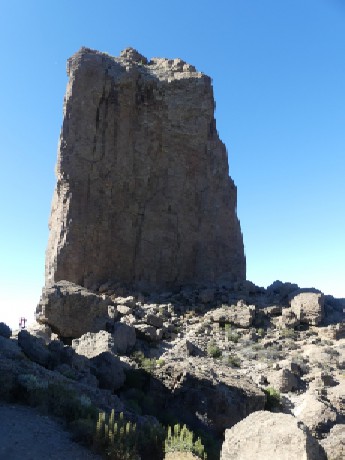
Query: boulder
<point x="239" y="315"/>
<point x="10" y="349"/>
<point x="334" y="444"/>
<point x="94" y="343"/>
<point x="5" y="331"/>
<point x="317" y="415"/>
<point x="124" y="338"/>
<point x="72" y="310"/>
<point x="289" y="318"/>
<point x="34" y="348"/>
<point x="308" y="307"/>
<point x="109" y="371"/>
<point x="283" y="380"/>
<point x="270" y="436"/>
<point x="336" y="396"/>
<point x="119" y="341"/>
<point x="149" y="333"/>
<point x="42" y="331"/>
<point x="154" y="320"/>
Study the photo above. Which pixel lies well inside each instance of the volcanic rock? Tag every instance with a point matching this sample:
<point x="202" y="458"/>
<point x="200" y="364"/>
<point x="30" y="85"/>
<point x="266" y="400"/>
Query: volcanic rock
<point x="72" y="310"/>
<point x="308" y="307"/>
<point x="143" y="194"/>
<point x="269" y="436"/>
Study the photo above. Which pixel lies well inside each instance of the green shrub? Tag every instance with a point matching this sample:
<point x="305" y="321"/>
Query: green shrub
<point x="233" y="361"/>
<point x="182" y="440"/>
<point x="147" y="364"/>
<point x="213" y="350"/>
<point x="123" y="440"/>
<point x="288" y="333"/>
<point x="116" y="437"/>
<point x="233" y="336"/>
<point x="273" y="398"/>
<point x="261" y="332"/>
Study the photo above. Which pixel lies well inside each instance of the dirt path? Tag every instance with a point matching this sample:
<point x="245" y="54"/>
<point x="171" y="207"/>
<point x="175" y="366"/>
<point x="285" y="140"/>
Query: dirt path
<point x="26" y="434"/>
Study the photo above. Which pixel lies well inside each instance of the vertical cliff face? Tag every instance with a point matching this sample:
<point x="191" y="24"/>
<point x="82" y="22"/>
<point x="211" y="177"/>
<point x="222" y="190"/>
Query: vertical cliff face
<point x="143" y="193"/>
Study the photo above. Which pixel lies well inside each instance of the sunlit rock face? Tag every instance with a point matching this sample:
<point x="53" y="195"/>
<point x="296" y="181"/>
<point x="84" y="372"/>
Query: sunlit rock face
<point x="143" y="193"/>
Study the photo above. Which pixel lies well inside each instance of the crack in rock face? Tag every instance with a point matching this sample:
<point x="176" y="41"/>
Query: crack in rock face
<point x="143" y="194"/>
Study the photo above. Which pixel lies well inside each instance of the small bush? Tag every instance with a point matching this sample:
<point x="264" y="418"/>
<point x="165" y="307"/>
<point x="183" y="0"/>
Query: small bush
<point x="116" y="437"/>
<point x="213" y="350"/>
<point x="182" y="440"/>
<point x="273" y="398"/>
<point x="232" y="335"/>
<point x="288" y="333"/>
<point x="234" y="361"/>
<point x="261" y="332"/>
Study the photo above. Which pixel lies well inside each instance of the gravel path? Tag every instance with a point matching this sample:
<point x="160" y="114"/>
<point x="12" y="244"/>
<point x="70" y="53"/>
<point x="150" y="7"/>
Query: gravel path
<point x="26" y="434"/>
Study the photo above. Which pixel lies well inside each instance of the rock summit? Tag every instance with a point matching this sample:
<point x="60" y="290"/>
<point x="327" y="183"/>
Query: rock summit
<point x="143" y="194"/>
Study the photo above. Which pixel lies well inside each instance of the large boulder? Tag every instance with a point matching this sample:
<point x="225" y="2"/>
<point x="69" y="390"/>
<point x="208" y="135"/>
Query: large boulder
<point x="120" y="341"/>
<point x="143" y="194"/>
<point x="93" y="343"/>
<point x="334" y="444"/>
<point x="270" y="436"/>
<point x="240" y="315"/>
<point x="34" y="348"/>
<point x="72" y="310"/>
<point x="109" y="371"/>
<point x="283" y="380"/>
<point x="319" y="416"/>
<point x="124" y="337"/>
<point x="308" y="307"/>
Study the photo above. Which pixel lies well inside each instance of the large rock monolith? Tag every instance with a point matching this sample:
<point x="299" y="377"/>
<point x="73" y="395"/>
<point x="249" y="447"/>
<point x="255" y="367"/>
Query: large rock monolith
<point x="143" y="194"/>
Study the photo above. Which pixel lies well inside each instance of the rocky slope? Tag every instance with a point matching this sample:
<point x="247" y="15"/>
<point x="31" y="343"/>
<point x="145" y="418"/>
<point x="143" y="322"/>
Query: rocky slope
<point x="207" y="357"/>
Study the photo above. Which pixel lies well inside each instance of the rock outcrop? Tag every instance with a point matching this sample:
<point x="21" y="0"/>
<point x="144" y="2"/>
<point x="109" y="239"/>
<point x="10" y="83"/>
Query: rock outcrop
<point x="308" y="307"/>
<point x="72" y="310"/>
<point x="143" y="195"/>
<point x="268" y="436"/>
<point x="334" y="444"/>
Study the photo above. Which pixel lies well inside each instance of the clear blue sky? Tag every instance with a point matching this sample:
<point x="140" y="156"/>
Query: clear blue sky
<point x="278" y="70"/>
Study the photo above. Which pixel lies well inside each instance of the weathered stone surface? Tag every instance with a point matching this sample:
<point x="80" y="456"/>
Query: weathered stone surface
<point x="154" y="320"/>
<point x="308" y="307"/>
<point x="270" y="436"/>
<point x="334" y="444"/>
<point x="289" y="318"/>
<point x="93" y="343"/>
<point x="336" y="396"/>
<point x="108" y="370"/>
<point x="72" y="310"/>
<point x="5" y="331"/>
<point x="120" y="340"/>
<point x="205" y="393"/>
<point x="240" y="315"/>
<point x="317" y="415"/>
<point x="41" y="331"/>
<point x="143" y="194"/>
<point x="124" y="338"/>
<point x="34" y="348"/>
<point x="283" y="380"/>
<point x="149" y="333"/>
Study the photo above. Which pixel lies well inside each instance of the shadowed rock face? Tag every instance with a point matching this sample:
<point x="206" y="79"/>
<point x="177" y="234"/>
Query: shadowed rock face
<point x="143" y="194"/>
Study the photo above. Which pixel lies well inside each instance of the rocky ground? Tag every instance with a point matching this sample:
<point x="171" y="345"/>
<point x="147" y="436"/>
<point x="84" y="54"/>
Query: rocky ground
<point x="210" y="358"/>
